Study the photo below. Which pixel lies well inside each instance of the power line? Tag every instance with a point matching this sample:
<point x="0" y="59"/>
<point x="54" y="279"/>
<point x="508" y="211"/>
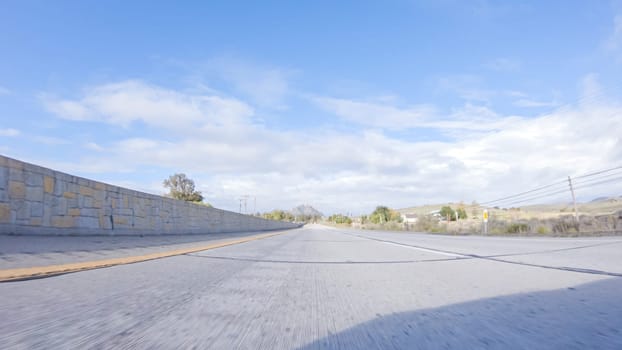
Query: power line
<point x="526" y="192"/>
<point x="598" y="172"/>
<point x="600" y="182"/>
<point x="538" y="196"/>
<point x="588" y="180"/>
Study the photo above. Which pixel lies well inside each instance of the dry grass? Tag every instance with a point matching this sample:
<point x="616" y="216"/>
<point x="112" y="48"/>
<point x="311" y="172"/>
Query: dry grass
<point x="600" y="217"/>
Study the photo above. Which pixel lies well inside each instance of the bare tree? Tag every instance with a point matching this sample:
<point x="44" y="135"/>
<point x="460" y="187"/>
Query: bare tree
<point x="181" y="187"/>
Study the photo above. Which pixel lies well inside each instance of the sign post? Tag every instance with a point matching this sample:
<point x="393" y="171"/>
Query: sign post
<point x="485" y="217"/>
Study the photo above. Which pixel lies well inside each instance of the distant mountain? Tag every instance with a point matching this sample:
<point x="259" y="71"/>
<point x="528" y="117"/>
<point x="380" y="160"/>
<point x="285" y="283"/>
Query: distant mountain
<point x="605" y="199"/>
<point x="305" y="210"/>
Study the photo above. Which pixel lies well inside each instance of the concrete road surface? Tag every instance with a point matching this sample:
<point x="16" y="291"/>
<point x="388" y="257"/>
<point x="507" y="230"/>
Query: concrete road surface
<point x="326" y="288"/>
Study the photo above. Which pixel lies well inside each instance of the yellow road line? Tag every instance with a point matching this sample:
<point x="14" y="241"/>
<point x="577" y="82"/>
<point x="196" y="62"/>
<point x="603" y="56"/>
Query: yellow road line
<point x="50" y="270"/>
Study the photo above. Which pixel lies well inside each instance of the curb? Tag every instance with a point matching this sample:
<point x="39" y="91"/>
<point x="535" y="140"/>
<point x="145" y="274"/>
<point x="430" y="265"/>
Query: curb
<point x="27" y="273"/>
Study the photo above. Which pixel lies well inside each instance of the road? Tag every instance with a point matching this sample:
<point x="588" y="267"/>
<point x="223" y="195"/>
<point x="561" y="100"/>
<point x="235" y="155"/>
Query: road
<point x="327" y="288"/>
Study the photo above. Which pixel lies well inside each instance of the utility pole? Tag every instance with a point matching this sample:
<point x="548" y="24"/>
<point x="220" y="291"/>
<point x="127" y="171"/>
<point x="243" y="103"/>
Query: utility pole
<point x="574" y="201"/>
<point x="245" y="199"/>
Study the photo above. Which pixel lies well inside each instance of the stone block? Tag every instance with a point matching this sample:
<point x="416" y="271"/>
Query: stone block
<point x="48" y="184"/>
<point x="72" y="203"/>
<point x="86" y="191"/>
<point x="35" y="222"/>
<point x="36" y="209"/>
<point x="16" y="174"/>
<point x="70" y="195"/>
<point x="141" y="223"/>
<point x="13" y="163"/>
<point x="4" y="178"/>
<point x="5" y="213"/>
<point x="17" y="190"/>
<point x="124" y="212"/>
<point x="100" y="186"/>
<point x="34" y="194"/>
<point x="99" y="195"/>
<point x="90" y="212"/>
<point x="33" y="179"/>
<point x="72" y="187"/>
<point x="62" y="221"/>
<point x="47" y="214"/>
<point x="120" y="220"/>
<point x="87" y="222"/>
<point x="60" y="187"/>
<point x="73" y="212"/>
<point x="59" y="206"/>
<point x="86" y="202"/>
<point x="22" y="209"/>
<point x="104" y="222"/>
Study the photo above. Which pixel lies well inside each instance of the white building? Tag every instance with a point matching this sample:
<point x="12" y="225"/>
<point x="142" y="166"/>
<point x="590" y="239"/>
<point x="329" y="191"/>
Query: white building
<point x="409" y="218"/>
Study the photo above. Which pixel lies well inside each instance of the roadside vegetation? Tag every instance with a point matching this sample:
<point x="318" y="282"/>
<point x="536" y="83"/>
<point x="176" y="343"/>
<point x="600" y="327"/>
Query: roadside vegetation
<point x="461" y="219"/>
<point x="278" y="215"/>
<point x="183" y="188"/>
<point x="340" y="219"/>
<point x="301" y="213"/>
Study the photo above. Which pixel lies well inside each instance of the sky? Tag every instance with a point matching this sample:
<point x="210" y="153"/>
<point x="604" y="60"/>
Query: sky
<point x="340" y="105"/>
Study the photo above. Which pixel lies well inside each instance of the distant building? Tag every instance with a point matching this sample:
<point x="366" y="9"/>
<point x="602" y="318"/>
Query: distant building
<point x="436" y="214"/>
<point x="409" y="218"/>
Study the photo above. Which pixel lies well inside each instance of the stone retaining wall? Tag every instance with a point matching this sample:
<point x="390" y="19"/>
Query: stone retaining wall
<point x="37" y="200"/>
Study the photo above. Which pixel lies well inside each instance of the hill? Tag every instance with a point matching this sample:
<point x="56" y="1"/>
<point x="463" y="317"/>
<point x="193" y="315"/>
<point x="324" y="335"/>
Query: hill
<point x="305" y="211"/>
<point x="598" y="206"/>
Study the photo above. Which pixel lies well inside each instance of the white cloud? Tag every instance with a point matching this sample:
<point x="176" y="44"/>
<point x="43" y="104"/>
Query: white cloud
<point x="50" y="140"/>
<point x="9" y="132"/>
<point x="93" y="146"/>
<point x="614" y="42"/>
<point x="376" y="114"/>
<point x="385" y="116"/>
<point x="528" y="103"/>
<point x="4" y="91"/>
<point x="130" y="101"/>
<point x="467" y="87"/>
<point x="264" y="86"/>
<point x="591" y="90"/>
<point x="490" y="155"/>
<point x="515" y="93"/>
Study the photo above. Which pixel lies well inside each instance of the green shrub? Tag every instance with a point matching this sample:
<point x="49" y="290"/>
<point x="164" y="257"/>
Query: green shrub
<point x="518" y="228"/>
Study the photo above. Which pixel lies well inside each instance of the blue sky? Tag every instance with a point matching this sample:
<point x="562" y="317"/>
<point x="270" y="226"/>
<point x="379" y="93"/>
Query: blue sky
<point x="339" y="105"/>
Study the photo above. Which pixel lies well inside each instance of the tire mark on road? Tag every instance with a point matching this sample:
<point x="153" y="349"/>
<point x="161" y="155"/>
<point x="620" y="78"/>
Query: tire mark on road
<point x="346" y="262"/>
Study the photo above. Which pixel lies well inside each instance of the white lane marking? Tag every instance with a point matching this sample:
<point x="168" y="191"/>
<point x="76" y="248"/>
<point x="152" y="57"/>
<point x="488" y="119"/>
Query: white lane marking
<point x="424" y="249"/>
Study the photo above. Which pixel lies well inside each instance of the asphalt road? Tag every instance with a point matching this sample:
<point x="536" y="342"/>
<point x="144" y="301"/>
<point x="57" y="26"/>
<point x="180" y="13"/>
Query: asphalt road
<point x="325" y="288"/>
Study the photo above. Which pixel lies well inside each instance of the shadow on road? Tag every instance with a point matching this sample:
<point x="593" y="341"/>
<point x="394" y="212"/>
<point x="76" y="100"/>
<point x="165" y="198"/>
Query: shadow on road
<point x="588" y="316"/>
